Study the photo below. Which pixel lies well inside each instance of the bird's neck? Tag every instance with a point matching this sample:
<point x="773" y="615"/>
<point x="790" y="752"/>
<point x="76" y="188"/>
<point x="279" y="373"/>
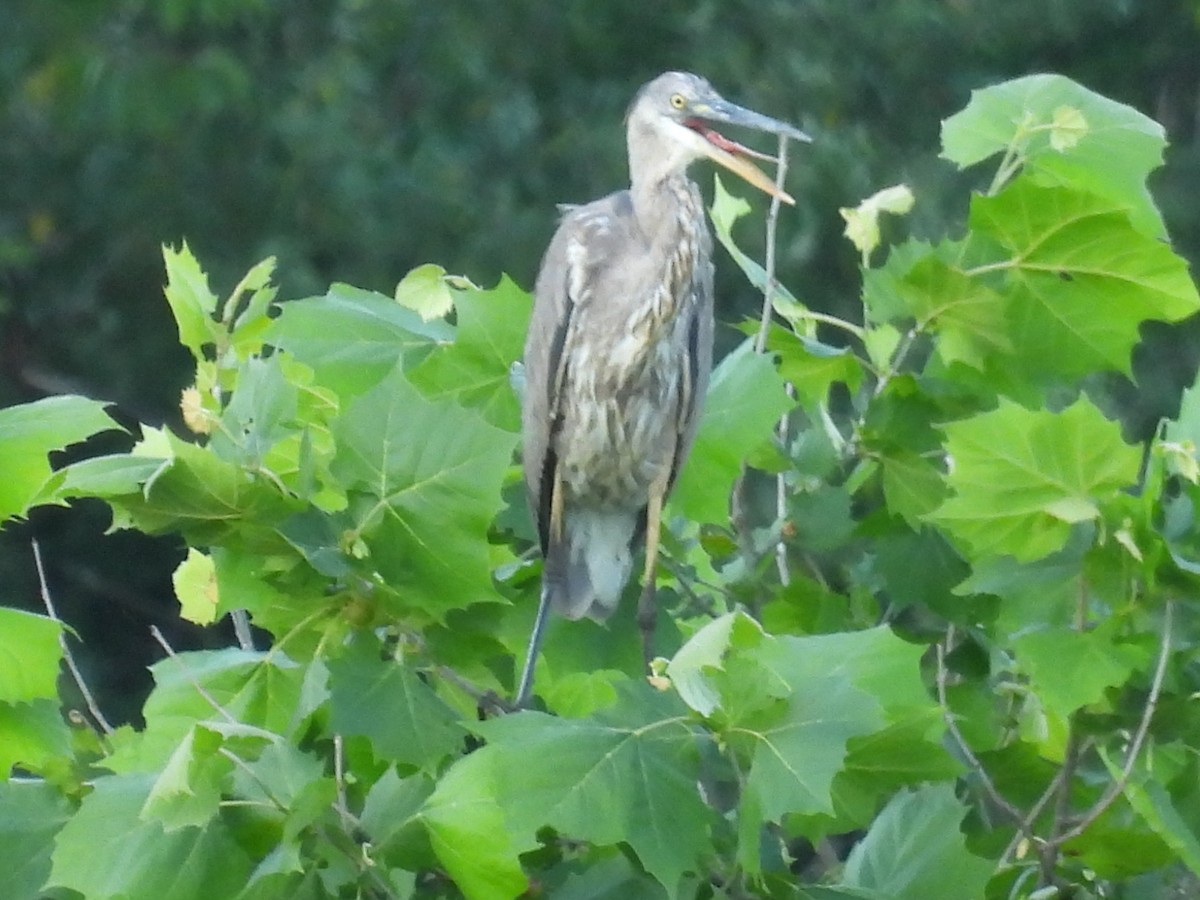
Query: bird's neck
<point x="663" y="202"/>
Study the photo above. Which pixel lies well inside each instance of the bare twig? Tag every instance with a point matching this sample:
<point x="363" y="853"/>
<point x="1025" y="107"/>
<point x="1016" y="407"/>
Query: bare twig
<point x="94" y="708"/>
<point x="200" y="689"/>
<point x="764" y="325"/>
<point x="1139" y="737"/>
<point x="972" y="760"/>
<point x="241" y="629"/>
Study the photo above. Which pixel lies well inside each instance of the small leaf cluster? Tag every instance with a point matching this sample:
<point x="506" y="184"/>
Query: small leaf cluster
<point x="926" y="616"/>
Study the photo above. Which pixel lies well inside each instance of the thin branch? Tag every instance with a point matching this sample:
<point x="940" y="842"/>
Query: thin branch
<point x="1139" y="737"/>
<point x="90" y="701"/>
<point x="764" y="324"/>
<point x="972" y="760"/>
<point x="200" y="689"/>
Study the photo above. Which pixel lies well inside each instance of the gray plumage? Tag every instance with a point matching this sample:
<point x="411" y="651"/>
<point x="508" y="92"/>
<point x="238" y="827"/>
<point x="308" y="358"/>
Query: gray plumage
<point x="619" y="350"/>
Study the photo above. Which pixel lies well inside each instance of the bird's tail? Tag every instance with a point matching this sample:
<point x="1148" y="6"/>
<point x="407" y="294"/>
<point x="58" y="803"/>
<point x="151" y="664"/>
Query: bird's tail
<point x="586" y="572"/>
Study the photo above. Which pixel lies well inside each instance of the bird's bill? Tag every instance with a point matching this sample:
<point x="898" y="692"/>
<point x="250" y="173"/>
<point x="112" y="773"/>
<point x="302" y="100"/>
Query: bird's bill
<point x="731" y="154"/>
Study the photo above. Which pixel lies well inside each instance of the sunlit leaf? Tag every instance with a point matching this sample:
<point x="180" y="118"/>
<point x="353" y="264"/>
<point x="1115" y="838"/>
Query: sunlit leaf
<point x="352" y="338"/>
<point x="30" y="432"/>
<point x="191" y="299"/>
<point x="474" y="369"/>
<point x="1014" y="469"/>
<point x="1081" y="278"/>
<point x="30" y="654"/>
<point x="425" y="292"/>
<point x="1111" y="154"/>
<point x="195" y="583"/>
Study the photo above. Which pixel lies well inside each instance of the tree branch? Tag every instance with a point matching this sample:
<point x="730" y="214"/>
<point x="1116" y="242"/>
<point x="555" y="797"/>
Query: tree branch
<point x="1139" y="738"/>
<point x="972" y="760"/>
<point x="93" y="707"/>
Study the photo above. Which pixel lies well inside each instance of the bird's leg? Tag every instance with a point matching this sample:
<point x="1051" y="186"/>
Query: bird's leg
<point x="525" y="685"/>
<point x="647" y="613"/>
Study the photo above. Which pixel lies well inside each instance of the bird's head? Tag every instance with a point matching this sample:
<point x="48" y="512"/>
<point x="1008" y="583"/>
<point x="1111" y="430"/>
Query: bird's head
<point x="672" y="122"/>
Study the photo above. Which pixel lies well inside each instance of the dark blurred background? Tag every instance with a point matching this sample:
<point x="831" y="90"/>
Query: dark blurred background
<point x="355" y="139"/>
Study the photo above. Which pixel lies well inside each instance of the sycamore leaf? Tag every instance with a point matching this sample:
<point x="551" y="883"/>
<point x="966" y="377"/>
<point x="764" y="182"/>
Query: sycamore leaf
<point x="352" y="338"/>
<point x="1080" y="279"/>
<point x="618" y="777"/>
<point x="403" y="718"/>
<point x="195" y="583"/>
<point x="914" y="850"/>
<point x="424" y="478"/>
<point x="29" y="432"/>
<point x="469" y="832"/>
<point x="425" y="292"/>
<point x="191" y="299"/>
<point x="474" y="370"/>
<point x="812" y="367"/>
<point x="745" y="399"/>
<point x="1094" y="658"/>
<point x="1151" y="800"/>
<point x="108" y="851"/>
<point x="30" y="653"/>
<point x="1016" y="474"/>
<point x="33" y="735"/>
<point x="188" y="789"/>
<point x="1069" y="135"/>
<point x="31" y="813"/>
<point x="862" y="221"/>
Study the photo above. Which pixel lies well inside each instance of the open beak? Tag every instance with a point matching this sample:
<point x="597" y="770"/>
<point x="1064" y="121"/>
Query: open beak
<point x="729" y="153"/>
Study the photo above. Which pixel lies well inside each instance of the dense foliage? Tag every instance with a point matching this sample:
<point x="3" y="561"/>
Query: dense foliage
<point x="952" y="615"/>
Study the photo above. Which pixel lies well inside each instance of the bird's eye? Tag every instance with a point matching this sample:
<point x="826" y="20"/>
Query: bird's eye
<point x="678" y="101"/>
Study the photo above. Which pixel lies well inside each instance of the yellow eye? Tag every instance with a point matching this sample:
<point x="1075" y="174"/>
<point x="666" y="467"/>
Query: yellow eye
<point x="678" y="101"/>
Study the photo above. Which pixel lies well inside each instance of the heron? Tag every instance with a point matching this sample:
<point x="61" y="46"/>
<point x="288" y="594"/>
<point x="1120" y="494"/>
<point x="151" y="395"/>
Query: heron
<point x="618" y="353"/>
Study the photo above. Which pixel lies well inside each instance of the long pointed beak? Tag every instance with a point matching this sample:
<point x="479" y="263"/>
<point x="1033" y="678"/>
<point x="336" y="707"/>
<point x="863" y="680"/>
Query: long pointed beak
<point x="731" y="154"/>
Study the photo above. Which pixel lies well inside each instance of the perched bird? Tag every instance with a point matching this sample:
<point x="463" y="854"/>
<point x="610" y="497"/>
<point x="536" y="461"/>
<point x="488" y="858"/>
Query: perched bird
<point x="618" y="353"/>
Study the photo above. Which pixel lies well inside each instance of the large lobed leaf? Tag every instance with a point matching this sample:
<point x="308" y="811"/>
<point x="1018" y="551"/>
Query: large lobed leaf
<point x="424" y="478"/>
<point x="1080" y="278"/>
<point x="1022" y="478"/>
<point x="474" y="370"/>
<point x="745" y="399"/>
<point x="29" y="433"/>
<point x="1109" y="153"/>
<point x="626" y="777"/>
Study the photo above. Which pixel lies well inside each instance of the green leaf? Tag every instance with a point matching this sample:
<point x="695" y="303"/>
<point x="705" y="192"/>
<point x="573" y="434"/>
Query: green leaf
<point x="914" y="850"/>
<point x="29" y="432"/>
<point x="352" y="338"/>
<point x="1111" y="156"/>
<point x="1080" y="278"/>
<point x="386" y="702"/>
<point x="425" y="478"/>
<point x="188" y="790"/>
<point x="107" y="851"/>
<point x="620" y="777"/>
<point x="1151" y="800"/>
<point x="725" y="212"/>
<point x="812" y="367"/>
<point x="30" y="654"/>
<point x="391" y="809"/>
<point x="31" y="813"/>
<point x="745" y="399"/>
<point x="1022" y="478"/>
<point x="1094" y="658"/>
<point x="967" y="316"/>
<point x="192" y="301"/>
<point x="425" y="292"/>
<point x="33" y="736"/>
<point x="474" y="370"/>
<point x="195" y="583"/>
<point x="469" y="832"/>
